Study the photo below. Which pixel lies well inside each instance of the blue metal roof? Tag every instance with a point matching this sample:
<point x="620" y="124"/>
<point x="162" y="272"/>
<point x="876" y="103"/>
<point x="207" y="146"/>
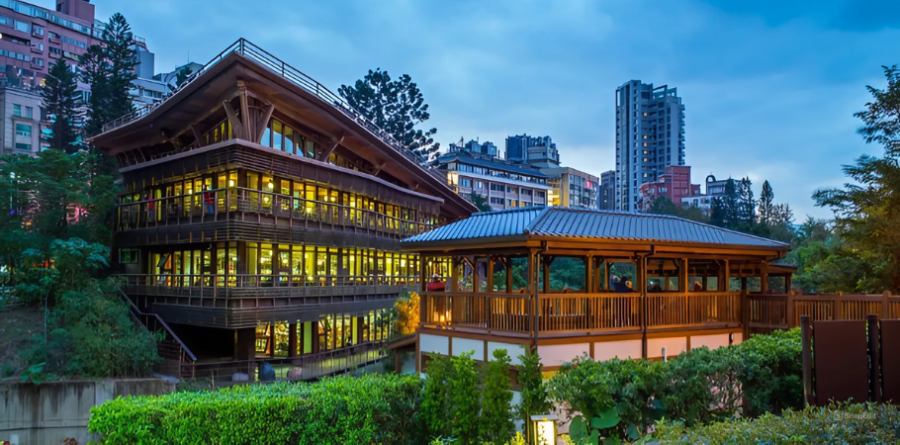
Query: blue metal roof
<point x="594" y="224"/>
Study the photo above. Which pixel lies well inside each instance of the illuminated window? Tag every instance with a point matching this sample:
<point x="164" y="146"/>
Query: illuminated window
<point x="645" y="136"/>
<point x="645" y="144"/>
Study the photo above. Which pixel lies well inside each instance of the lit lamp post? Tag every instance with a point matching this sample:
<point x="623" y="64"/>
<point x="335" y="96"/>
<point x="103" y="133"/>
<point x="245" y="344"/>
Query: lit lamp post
<point x="544" y="427"/>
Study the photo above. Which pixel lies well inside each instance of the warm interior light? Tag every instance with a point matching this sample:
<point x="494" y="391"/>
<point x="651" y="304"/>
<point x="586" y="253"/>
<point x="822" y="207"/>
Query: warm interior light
<point x="271" y="185"/>
<point x="231" y="182"/>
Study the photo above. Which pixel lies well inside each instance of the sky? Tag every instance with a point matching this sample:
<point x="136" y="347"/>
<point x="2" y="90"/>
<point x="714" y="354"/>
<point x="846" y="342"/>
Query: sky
<point x="769" y="86"/>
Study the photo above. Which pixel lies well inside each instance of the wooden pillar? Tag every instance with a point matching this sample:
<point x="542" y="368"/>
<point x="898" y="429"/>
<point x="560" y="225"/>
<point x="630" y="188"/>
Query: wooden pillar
<point x="509" y="276"/>
<point x="490" y="274"/>
<point x="454" y="272"/>
<point x="645" y="307"/>
<point x="726" y="276"/>
<point x="684" y="276"/>
<point x="476" y="280"/>
<point x="423" y="299"/>
<point x="764" y="277"/>
<point x="588" y="273"/>
<point x="245" y="351"/>
<point x="787" y="283"/>
<point x="292" y="340"/>
<point x="545" y="264"/>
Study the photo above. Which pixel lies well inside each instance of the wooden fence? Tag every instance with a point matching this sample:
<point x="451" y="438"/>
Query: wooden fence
<point x="766" y="313"/>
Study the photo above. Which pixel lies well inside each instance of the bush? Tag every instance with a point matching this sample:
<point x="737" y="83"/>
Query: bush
<point x="372" y="409"/>
<point x="625" y="398"/>
<point x="850" y="424"/>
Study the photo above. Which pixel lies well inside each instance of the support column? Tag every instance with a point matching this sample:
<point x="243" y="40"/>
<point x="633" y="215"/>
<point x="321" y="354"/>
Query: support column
<point x="292" y="340"/>
<point x="764" y="277"/>
<point x="245" y="351"/>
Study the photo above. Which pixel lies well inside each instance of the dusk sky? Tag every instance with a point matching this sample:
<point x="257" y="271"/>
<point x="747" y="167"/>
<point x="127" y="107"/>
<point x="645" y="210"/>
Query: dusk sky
<point x="769" y="86"/>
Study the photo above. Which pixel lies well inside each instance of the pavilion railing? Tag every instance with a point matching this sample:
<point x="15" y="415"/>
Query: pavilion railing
<point x="581" y="312"/>
<point x="194" y="209"/>
<point x="767" y="312"/>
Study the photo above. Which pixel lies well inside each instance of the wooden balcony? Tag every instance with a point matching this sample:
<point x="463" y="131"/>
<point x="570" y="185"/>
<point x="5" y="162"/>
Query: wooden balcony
<point x="570" y="314"/>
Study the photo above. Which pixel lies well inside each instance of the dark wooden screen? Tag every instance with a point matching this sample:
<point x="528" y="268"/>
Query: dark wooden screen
<point x="890" y="360"/>
<point x="841" y="362"/>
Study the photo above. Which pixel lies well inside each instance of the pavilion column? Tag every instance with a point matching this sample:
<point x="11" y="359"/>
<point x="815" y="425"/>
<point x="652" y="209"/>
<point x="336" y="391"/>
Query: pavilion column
<point x="545" y="264"/>
<point x="292" y="340"/>
<point x="787" y="283"/>
<point x="641" y="278"/>
<point x="589" y="274"/>
<point x="764" y="277"/>
<point x="509" y="275"/>
<point x="245" y="350"/>
<point x="490" y="274"/>
<point x="423" y="299"/>
<point x="533" y="258"/>
<point x="454" y="275"/>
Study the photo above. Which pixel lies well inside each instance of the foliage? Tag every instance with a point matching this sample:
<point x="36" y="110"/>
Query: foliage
<point x="496" y="418"/>
<point x="625" y="398"/>
<point x="396" y="106"/>
<point x="405" y="315"/>
<point x="90" y="330"/>
<point x="480" y="202"/>
<point x="618" y="398"/>
<point x="866" y="219"/>
<point x="849" y="424"/>
<point x="61" y="100"/>
<point x="465" y="399"/>
<point x="118" y="46"/>
<point x="436" y="396"/>
<point x="766" y="203"/>
<point x="371" y="409"/>
<point x="664" y="206"/>
<point x="534" y="397"/>
<point x="831" y="266"/>
<point x="181" y="77"/>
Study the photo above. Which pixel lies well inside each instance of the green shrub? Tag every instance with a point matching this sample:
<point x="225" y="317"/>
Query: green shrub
<point x="772" y="379"/>
<point x="436" y="396"/>
<point x="848" y="424"/>
<point x="496" y="405"/>
<point x="465" y="399"/>
<point x="372" y="409"/>
<point x="534" y="398"/>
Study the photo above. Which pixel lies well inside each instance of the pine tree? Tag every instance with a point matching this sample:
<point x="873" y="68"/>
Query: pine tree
<point x="766" y="203"/>
<point x="95" y="72"/>
<point x="746" y="207"/>
<point x="534" y="394"/>
<point x="118" y="45"/>
<point x="395" y="106"/>
<point x="60" y="97"/>
<point x="496" y="418"/>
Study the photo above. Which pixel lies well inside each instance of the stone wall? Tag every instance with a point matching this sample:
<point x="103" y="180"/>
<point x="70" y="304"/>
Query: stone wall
<point x="52" y="412"/>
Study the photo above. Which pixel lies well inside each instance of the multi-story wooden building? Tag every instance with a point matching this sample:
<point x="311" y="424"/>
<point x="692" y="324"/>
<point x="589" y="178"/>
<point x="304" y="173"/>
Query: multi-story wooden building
<point x="261" y="216"/>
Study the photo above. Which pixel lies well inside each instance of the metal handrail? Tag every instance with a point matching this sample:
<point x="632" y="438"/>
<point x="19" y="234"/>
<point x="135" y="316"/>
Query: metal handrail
<point x="265" y="59"/>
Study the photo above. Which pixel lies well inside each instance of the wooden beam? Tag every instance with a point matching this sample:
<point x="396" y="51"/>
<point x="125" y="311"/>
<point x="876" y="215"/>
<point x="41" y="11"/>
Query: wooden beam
<point x="263" y="123"/>
<point x="328" y="152"/>
<point x="197" y="136"/>
<point x="245" y="108"/>
<point x="235" y="121"/>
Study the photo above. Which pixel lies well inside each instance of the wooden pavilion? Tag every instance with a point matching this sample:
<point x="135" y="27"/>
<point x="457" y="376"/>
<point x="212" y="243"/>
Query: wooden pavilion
<point x="572" y="282"/>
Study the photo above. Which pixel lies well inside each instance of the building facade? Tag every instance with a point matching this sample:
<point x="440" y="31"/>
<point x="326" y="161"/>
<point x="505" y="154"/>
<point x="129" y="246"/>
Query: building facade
<point x="649" y="137"/>
<point x="572" y="188"/>
<point x="538" y="151"/>
<point x="504" y="185"/>
<point x="261" y="217"/>
<point x="22" y="123"/>
<point x="607" y="194"/>
<point x="674" y="184"/>
<point x="714" y="189"/>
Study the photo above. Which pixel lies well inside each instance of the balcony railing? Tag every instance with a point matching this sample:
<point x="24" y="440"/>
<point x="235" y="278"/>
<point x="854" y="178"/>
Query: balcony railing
<point x="195" y="208"/>
<point x="287" y="72"/>
<point x="256" y="281"/>
<point x="781" y="311"/>
<point x="581" y="312"/>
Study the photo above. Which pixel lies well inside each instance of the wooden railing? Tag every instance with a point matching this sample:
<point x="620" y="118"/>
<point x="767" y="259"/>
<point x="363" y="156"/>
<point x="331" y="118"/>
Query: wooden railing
<point x="223" y="203"/>
<point x="770" y="312"/>
<point x="694" y="308"/>
<point x="580" y="312"/>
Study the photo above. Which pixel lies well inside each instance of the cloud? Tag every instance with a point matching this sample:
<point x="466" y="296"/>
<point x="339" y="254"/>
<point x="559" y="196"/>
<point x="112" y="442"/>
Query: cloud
<point x="769" y="86"/>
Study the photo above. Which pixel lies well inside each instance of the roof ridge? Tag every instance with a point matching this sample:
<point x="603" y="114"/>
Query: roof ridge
<point x="539" y="217"/>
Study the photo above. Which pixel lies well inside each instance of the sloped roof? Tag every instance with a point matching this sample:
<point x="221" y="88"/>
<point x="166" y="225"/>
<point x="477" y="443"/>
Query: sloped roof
<point x="589" y="224"/>
<point x="517" y="169"/>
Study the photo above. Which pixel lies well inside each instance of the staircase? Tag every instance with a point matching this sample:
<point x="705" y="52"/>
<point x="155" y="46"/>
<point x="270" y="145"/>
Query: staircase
<point x="176" y="355"/>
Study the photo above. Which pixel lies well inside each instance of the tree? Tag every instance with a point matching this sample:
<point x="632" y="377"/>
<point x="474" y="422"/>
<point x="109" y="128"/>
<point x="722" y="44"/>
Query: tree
<point x="496" y="419"/>
<point x="865" y="209"/>
<point x="480" y="202"/>
<point x="664" y="206"/>
<point x="60" y="100"/>
<point x="534" y="400"/>
<point x="181" y="77"/>
<point x="395" y="106"/>
<point x="436" y="395"/>
<point x="465" y="399"/>
<point x="95" y="72"/>
<point x="746" y="210"/>
<point x="118" y="45"/>
<point x="766" y="203"/>
<point x="406" y="314"/>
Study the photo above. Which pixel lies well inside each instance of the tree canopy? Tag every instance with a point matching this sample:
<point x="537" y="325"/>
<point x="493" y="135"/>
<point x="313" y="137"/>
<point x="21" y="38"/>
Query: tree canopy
<point x="61" y="101"/>
<point x="396" y="106"/>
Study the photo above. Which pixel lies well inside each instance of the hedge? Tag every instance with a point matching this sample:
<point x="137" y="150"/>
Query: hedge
<point x="625" y="398"/>
<point x="339" y="410"/>
<point x="846" y="424"/>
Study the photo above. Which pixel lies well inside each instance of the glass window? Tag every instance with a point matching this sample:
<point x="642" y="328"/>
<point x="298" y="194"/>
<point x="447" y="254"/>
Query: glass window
<point x="23" y="26"/>
<point x="23" y="146"/>
<point x="277" y="134"/>
<point x="17" y="110"/>
<point x="289" y="140"/>
<point x="23" y="130"/>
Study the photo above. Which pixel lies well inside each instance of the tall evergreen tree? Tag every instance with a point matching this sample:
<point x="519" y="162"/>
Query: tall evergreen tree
<point x="118" y="45"/>
<point x="396" y="106"/>
<point x="766" y="203"/>
<point x="746" y="207"/>
<point x="95" y="72"/>
<point x="60" y="97"/>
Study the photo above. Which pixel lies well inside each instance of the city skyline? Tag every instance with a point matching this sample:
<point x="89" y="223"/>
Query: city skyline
<point x="771" y="90"/>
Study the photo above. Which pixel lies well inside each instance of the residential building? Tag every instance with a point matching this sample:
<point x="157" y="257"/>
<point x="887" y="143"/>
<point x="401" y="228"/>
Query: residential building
<point x="147" y="91"/>
<point x="714" y="189"/>
<point x="674" y="184"/>
<point x="171" y="77"/>
<point x="538" y="151"/>
<point x="607" y="195"/>
<point x="572" y="188"/>
<point x="266" y="226"/>
<point x="22" y="124"/>
<point x="649" y="137"/>
<point x="473" y="146"/>
<point x="503" y="184"/>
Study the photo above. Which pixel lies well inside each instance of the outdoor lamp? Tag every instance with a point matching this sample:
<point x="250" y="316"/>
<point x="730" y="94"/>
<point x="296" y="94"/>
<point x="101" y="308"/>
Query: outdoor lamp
<point x="544" y="427"/>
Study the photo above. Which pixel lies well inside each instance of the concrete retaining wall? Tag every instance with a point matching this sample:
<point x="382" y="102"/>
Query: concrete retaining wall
<point x="51" y="412"/>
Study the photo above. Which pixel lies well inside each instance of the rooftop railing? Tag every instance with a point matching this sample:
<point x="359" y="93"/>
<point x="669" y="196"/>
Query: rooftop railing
<point x="293" y="75"/>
